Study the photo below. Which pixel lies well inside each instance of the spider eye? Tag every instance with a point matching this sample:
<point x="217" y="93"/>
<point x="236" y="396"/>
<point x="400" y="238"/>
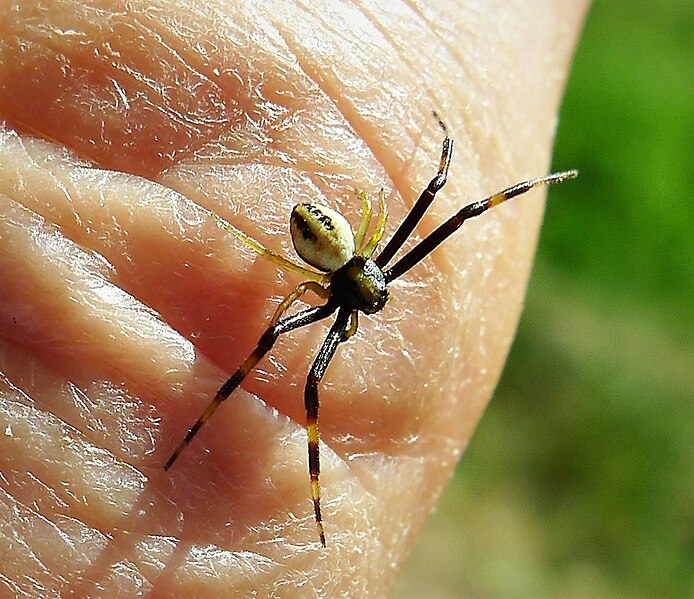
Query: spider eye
<point x="321" y="236"/>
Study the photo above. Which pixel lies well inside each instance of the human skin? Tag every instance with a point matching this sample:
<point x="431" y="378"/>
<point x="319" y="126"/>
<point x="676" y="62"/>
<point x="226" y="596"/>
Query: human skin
<point x="124" y="306"/>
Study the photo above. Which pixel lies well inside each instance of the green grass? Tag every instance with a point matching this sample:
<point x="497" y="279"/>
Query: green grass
<point x="580" y="479"/>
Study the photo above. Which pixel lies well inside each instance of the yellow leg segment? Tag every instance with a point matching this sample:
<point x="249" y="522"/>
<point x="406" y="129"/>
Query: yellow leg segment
<point x="312" y="429"/>
<point x="313" y="286"/>
<point x="512" y="192"/>
<point x="380" y="226"/>
<point x="276" y="259"/>
<point x="353" y="325"/>
<point x="365" y="218"/>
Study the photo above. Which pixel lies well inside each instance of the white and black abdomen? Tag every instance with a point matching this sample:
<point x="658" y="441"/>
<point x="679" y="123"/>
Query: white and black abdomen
<point x="321" y="236"/>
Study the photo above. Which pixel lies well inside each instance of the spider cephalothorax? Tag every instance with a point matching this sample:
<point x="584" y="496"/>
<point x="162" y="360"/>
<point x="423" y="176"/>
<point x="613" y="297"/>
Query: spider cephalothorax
<point x="361" y="285"/>
<point x="351" y="280"/>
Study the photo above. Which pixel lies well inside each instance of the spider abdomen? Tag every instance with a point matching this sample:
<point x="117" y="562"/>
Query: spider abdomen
<point x="361" y="285"/>
<point x="321" y="236"/>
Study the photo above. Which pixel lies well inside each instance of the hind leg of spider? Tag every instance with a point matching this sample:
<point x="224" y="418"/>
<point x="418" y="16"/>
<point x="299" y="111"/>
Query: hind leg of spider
<point x="277" y="327"/>
<point x="335" y="336"/>
<point x="423" y="202"/>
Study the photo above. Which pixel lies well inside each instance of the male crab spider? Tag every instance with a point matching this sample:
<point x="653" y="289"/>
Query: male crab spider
<point x="351" y="281"/>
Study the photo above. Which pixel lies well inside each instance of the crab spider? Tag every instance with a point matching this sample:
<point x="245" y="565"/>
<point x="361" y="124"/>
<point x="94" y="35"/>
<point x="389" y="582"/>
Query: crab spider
<point x="350" y="280"/>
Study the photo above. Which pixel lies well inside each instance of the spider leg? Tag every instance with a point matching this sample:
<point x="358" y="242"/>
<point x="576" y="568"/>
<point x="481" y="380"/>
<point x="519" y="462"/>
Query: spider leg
<point x="380" y="226"/>
<point x="275" y="258"/>
<point x="277" y="327"/>
<point x="422" y="204"/>
<point x="325" y="355"/>
<point x="302" y="288"/>
<point x="365" y="218"/>
<point x="432" y="241"/>
<point x="353" y="325"/>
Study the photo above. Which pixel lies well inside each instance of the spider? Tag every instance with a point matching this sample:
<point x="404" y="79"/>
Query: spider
<point x="351" y="280"/>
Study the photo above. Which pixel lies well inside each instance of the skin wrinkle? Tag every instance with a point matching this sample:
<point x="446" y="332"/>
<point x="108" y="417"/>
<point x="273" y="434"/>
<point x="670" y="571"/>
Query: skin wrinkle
<point x="481" y="81"/>
<point x="317" y="176"/>
<point x="358" y="124"/>
<point x="148" y="310"/>
<point x="138" y="77"/>
<point x="86" y="417"/>
<point x="32" y="556"/>
<point x="177" y="116"/>
<point x="318" y="82"/>
<point x="466" y="70"/>
<point x="289" y="114"/>
<point x="91" y="517"/>
<point x="401" y="51"/>
<point x="18" y="506"/>
<point x="317" y="180"/>
<point x="273" y="231"/>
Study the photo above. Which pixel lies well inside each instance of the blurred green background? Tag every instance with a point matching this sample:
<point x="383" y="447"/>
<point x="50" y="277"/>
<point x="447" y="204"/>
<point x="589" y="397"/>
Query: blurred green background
<point x="580" y="479"/>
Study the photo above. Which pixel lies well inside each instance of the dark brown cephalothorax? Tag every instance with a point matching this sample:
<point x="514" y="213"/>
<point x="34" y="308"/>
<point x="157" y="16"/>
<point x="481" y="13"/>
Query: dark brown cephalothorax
<point x="361" y="285"/>
<point x="351" y="280"/>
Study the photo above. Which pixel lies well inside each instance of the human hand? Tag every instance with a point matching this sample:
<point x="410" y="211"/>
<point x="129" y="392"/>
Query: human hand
<point x="124" y="305"/>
